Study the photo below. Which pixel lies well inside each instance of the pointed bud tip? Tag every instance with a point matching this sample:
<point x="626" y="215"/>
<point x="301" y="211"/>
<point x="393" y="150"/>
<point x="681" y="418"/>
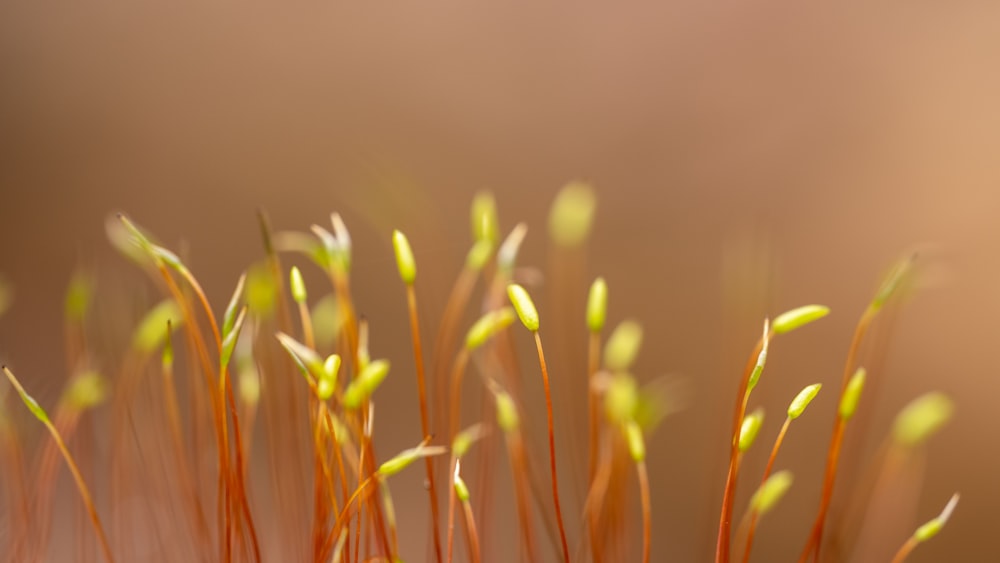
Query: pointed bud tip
<point x="597" y="305"/>
<point x="801" y="316"/>
<point x="405" y="262"/>
<point x="524" y="306"/>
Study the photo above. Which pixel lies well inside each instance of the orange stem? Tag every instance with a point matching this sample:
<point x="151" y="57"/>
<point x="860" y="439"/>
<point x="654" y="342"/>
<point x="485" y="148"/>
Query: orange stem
<point x="767" y="473"/>
<point x="552" y="447"/>
<point x="418" y="355"/>
<point x="728" y="498"/>
<point x="833" y="455"/>
<point x="646" y="510"/>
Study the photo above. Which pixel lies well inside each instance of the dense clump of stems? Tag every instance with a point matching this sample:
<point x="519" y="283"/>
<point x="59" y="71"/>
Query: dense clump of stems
<point x="321" y="428"/>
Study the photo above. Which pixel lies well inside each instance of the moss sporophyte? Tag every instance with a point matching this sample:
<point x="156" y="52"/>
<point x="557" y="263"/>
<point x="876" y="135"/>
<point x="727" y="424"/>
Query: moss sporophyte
<point x="309" y="373"/>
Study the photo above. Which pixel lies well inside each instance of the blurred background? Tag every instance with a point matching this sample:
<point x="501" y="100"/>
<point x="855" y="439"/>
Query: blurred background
<point x="746" y="158"/>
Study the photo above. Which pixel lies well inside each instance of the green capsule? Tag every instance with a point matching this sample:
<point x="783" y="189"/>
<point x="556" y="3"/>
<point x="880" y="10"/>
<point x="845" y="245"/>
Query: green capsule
<point x="791" y="320"/>
<point x="852" y="394"/>
<point x="524" y="306"/>
<point x="597" y="305"/>
<point x="405" y="262"/>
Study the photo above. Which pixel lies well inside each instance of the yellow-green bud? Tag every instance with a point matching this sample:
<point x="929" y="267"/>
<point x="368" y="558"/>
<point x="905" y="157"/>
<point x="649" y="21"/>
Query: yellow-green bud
<point x="404" y="458"/>
<point x="507" y="417"/>
<point x="791" y="320"/>
<point x="524" y="306"/>
<point x="261" y="291"/>
<point x="306" y="357"/>
<point x="635" y="441"/>
<point x="463" y="440"/>
<point x="623" y="346"/>
<point x="572" y="214"/>
<point x="931" y="529"/>
<point x="852" y="394"/>
<point x="485" y="224"/>
<point x="461" y="490"/>
<point x="86" y="390"/>
<point x="28" y="400"/>
<point x="621" y="398"/>
<point x="366" y="383"/>
<point x="325" y="388"/>
<point x="150" y="333"/>
<point x="78" y="296"/>
<point x="597" y="305"/>
<point x="479" y="254"/>
<point x="750" y="428"/>
<point x="488" y="326"/>
<point x="758" y="369"/>
<point x="249" y="384"/>
<point x="298" y="285"/>
<point x="770" y="492"/>
<point x="331" y="367"/>
<point x="802" y="400"/>
<point x="405" y="262"/>
<point x="924" y="416"/>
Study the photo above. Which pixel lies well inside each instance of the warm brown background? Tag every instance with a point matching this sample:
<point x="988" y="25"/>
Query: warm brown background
<point x="836" y="138"/>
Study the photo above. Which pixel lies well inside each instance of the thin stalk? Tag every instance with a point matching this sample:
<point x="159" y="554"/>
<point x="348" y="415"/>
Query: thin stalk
<point x="218" y="404"/>
<point x="647" y="529"/>
<point x="905" y="550"/>
<point x="418" y="357"/>
<point x="278" y="403"/>
<point x="722" y="545"/>
<point x="453" y="464"/>
<point x="77" y="476"/>
<point x="455" y="408"/>
<point x="752" y="526"/>
<point x="17" y="489"/>
<point x="447" y="334"/>
<point x="305" y="318"/>
<point x="518" y="468"/>
<point x="198" y="523"/>
<point x="594" y="503"/>
<point x="390" y="513"/>
<point x="552" y="446"/>
<point x="833" y="454"/>
<point x="470" y="526"/>
<point x="45" y="472"/>
<point x="593" y="364"/>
